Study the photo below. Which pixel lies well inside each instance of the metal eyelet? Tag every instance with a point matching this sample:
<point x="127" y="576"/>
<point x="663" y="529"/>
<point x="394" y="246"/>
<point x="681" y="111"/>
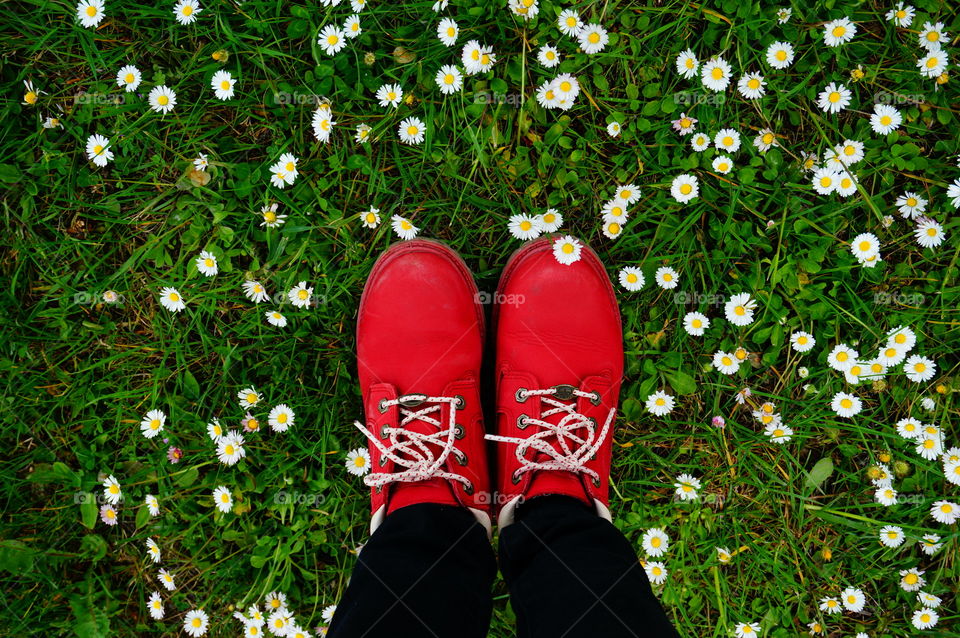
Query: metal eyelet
<point x="515" y="478"/>
<point x="596" y="398"/>
<point x="381" y="407"/>
<point x="596" y="481"/>
<point x="458" y="431"/>
<point x="461" y="402"/>
<point x="468" y="489"/>
<point x="522" y="422"/>
<point x="379" y="488"/>
<point x="520" y="399"/>
<point x="382" y="461"/>
<point x="383" y="431"/>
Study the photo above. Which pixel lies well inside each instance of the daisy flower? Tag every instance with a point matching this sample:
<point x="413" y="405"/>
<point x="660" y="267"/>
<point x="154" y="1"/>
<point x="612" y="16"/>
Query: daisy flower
<point x="885" y="119"/>
<point x="830" y="605"/>
<point x="932" y="36"/>
<point x="722" y="164"/>
<point x="351" y="26"/>
<point x="201" y="163"/>
<point x="90" y="12"/>
<point x="739" y="309"/>
<point x="222" y="499"/>
<point x="802" y="341"/>
<point x="323" y="123"/>
<point x="98" y="150"/>
<point x="724" y="555"/>
<point x="655" y="542"/>
<point x="934" y="63"/>
<point x="390" y="95"/>
<point x="207" y="264"/>
<point x="448" y="30"/>
<point x="834" y="98"/>
<point x="166" y="579"/>
<point x="685" y="124"/>
<point x="846" y="405"/>
<point x="276" y="600"/>
<point x="370" y="218"/>
<point x="865" y="245"/>
<point x="667" y="278"/>
<point x="687" y="64"/>
<point x="925" y="618"/>
<point x="780" y="55"/>
<point x="725" y="362"/>
<point x="332" y="39"/>
<point x="686" y="487"/>
<point x="842" y="357"/>
<point x="111" y="490"/>
<point x="928" y="600"/>
<point x="171" y="299"/>
<point x="628" y="193"/>
<point x="550" y="220"/>
<point x="910" y="205"/>
<point x="853" y="599"/>
<point x="270" y="217"/>
<point x="255" y="291"/>
<point x="656" y="572"/>
<point x="930" y="446"/>
<point x="108" y="514"/>
<point x="128" y="78"/>
<point x="684" y="188"/>
<point x="300" y="296"/>
<point x="902" y="337"/>
<point x="567" y="250"/>
<point x="358" y="461"/>
<point x="695" y="323"/>
<point x="886" y="496"/>
<point x="152" y="423"/>
<point x="155" y="605"/>
<point x="363" y="133"/>
<point x="281" y="418"/>
<point x="778" y="432"/>
<point x="327" y="613"/>
<point x="411" y="130"/>
<point x="613" y="129"/>
<point x="230" y="448"/>
<point x="615" y="209"/>
<point x="548" y="56"/>
<point x="908" y="428"/>
<point x="195" y="622"/>
<point x="751" y="86"/>
<point x="783" y="15"/>
<point x="919" y="369"/>
<point x="660" y="403"/>
<point x="153" y="550"/>
<point x="569" y="22"/>
<point x="403" y="228"/>
<point x="249" y="398"/>
<point x="901" y="15"/>
<point x="891" y="536"/>
<point x="593" y="38"/>
<point x="215" y="430"/>
<point x="162" y="99"/>
<point x="929" y="233"/>
<point x="945" y="512"/>
<point x="765" y="140"/>
<point x="449" y="79"/>
<point x="727" y="139"/>
<point x="837" y="32"/>
<point x="700" y="142"/>
<point x="631" y="278"/>
<point x="186" y="11"/>
<point x="153" y="505"/>
<point x="715" y="74"/>
<point x="477" y="58"/>
<point x="911" y="579"/>
<point x="222" y="84"/>
<point x="746" y="630"/>
<point x="523" y="227"/>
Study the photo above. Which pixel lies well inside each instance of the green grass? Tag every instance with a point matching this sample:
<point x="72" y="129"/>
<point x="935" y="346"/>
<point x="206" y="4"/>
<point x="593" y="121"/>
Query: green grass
<point x="80" y="374"/>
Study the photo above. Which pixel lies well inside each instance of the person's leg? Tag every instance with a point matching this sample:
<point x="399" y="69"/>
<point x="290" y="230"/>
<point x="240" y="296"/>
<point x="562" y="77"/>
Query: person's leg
<point x="572" y="573"/>
<point x="426" y="571"/>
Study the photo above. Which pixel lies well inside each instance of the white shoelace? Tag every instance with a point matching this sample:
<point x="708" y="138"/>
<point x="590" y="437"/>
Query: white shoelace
<point x="414" y="450"/>
<point x="574" y="450"/>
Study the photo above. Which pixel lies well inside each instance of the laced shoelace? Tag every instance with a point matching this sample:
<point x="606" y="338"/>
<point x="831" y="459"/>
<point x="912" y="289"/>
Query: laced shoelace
<point x="415" y="450"/>
<point x="574" y="450"/>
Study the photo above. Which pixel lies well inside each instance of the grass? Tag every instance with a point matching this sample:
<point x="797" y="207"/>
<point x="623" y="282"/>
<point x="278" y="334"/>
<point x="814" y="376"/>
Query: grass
<point x="80" y="374"/>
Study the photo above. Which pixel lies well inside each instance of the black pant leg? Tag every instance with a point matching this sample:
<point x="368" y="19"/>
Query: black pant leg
<point x="572" y="573"/>
<point x="427" y="571"/>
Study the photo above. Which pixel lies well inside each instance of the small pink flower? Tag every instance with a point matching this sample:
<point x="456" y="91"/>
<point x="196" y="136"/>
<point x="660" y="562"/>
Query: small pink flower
<point x="718" y="421"/>
<point x="174" y="454"/>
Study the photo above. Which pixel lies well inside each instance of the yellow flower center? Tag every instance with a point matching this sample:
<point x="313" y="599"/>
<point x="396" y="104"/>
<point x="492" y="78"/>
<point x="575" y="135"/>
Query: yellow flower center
<point x="269" y="217"/>
<point x="448" y="78"/>
<point x="667" y="276"/>
<point x="727" y="141"/>
<point x="370" y="217"/>
<point x="225" y="85"/>
<point x="885" y="120"/>
<point x="91" y="11"/>
<point x="613" y="228"/>
<point x="696" y="323"/>
<point x="740" y="310"/>
<point x="933" y="36"/>
<point x="920" y="367"/>
<point x="594" y="38"/>
<point x="187" y="10"/>
<point x="97" y="149"/>
<point x="726" y="361"/>
<point x="302" y="294"/>
<point x="910" y="579"/>
<point x="412" y="130"/>
<point x="174" y="297"/>
<point x="228" y="450"/>
<point x="834" y="97"/>
<point x="525" y="225"/>
<point x="846" y="403"/>
<point x="753" y="83"/>
<point x="332" y="39"/>
<point x="838" y="31"/>
<point x="717" y="73"/>
<point x="154" y="424"/>
<point x="781" y="55"/>
<point x="567" y="248"/>
<point x="405" y="225"/>
<point x="565" y="86"/>
<point x="163" y="100"/>
<point x="686" y="188"/>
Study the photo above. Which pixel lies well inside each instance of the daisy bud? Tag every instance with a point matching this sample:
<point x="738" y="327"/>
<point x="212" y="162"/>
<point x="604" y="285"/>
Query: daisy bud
<point x="901" y="469"/>
<point x="221" y="55"/>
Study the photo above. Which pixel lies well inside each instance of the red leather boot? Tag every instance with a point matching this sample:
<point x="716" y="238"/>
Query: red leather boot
<point x="419" y="346"/>
<point x="558" y="372"/>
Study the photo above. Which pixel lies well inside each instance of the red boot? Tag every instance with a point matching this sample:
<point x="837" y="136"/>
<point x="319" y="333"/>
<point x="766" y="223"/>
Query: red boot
<point x="419" y="346"/>
<point x="558" y="373"/>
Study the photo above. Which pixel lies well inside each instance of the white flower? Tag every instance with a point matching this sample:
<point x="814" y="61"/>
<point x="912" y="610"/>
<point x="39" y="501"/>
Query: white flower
<point x="162" y="99"/>
<point x="631" y="278"/>
<point x="934" y="63"/>
<point x="885" y="119"/>
<point x="550" y="220"/>
<point x="739" y="309"/>
<point x="945" y="512"/>
<point x="834" y="98"/>
<point x="358" y="461"/>
<point x="655" y="542"/>
<point x="155" y="605"/>
<point x="255" y="291"/>
<point x="222" y="84"/>
<point x="411" y="130"/>
<point x="853" y="599"/>
<point x="281" y="418"/>
<point x="274" y="318"/>
<point x="666" y="277"/>
<point x="207" y="264"/>
<point x="186" y="12"/>
<point x="523" y="227"/>
<point x="747" y="630"/>
<point x="686" y="487"/>
<point x="780" y="55"/>
<point x="865" y="245"/>
<point x="567" y="250"/>
<point x="687" y="64"/>
<point x="230" y="448"/>
<point x="891" y="536"/>
<point x="830" y="605"/>
<point x="725" y="362"/>
<point x="802" y="341"/>
<point x="111" y="490"/>
<point x="929" y="233"/>
<point x="323" y="123"/>
<point x="332" y="39"/>
<point x="727" y="139"/>
<point x="449" y="79"/>
<point x="593" y="38"/>
<point x="928" y="600"/>
<point x="166" y="579"/>
<point x="477" y="58"/>
<point x="886" y="496"/>
<point x="656" y="572"/>
<point x="327" y="613"/>
<point x="837" y="32"/>
<point x="222" y="499"/>
<point x="751" y="86"/>
<point x="448" y="30"/>
<point x="128" y="78"/>
<point x="715" y="74"/>
<point x="249" y="398"/>
<point x="351" y="26"/>
<point x="925" y="618"/>
<point x="919" y="369"/>
<point x="695" y="323"/>
<point x="842" y="357"/>
<point x="613" y="129"/>
<point x="403" y="228"/>
<point x="153" y="550"/>
<point x="700" y="142"/>
<point x="548" y="56"/>
<point x="569" y="22"/>
<point x="953" y="193"/>
<point x="722" y="164"/>
<point x="153" y="505"/>
<point x="98" y="149"/>
<point x="846" y="405"/>
<point x="171" y="299"/>
<point x="390" y="95"/>
<point x="370" y="218"/>
<point x="152" y="423"/>
<point x="660" y="403"/>
<point x="910" y="205"/>
<point x="215" y="430"/>
<point x="196" y="622"/>
<point x="901" y="15"/>
<point x="300" y="295"/>
<point x="90" y="12"/>
<point x="684" y="187"/>
<point x="932" y="36"/>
